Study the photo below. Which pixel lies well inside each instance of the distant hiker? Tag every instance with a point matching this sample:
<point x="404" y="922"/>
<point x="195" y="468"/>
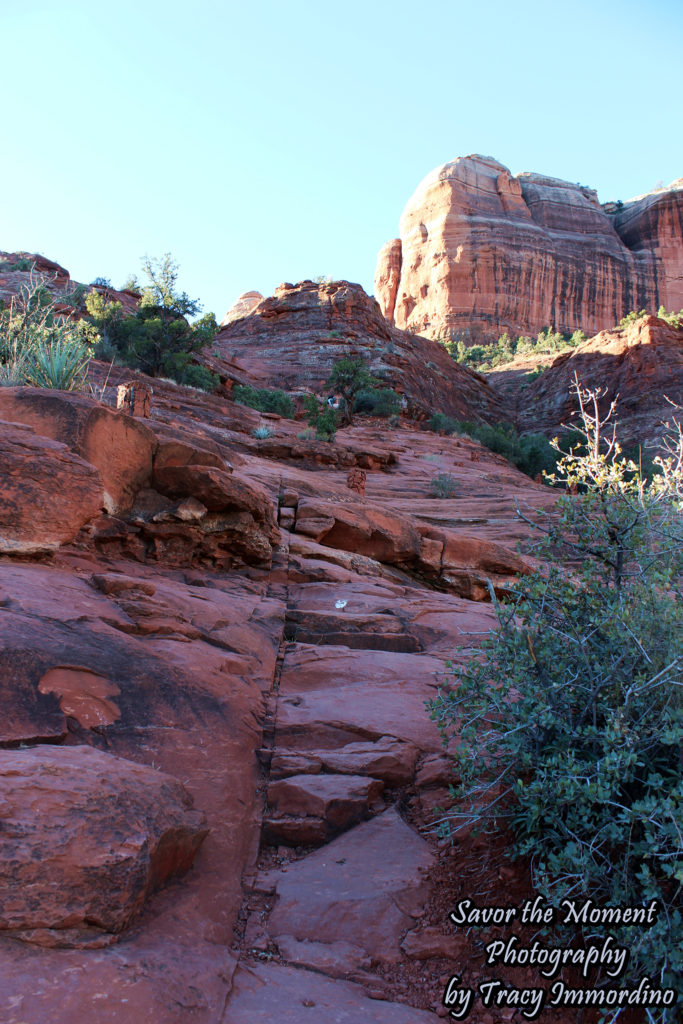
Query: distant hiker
<point x="334" y="401"/>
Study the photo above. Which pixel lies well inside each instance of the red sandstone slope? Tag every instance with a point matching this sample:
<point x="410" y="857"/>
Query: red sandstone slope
<point x="640" y="365"/>
<point x="482" y="252"/>
<point x="292" y="339"/>
<point x="227" y="624"/>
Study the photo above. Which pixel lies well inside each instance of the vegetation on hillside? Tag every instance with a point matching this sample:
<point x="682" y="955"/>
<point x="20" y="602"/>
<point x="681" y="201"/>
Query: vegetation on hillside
<point x="159" y="337"/>
<point x="530" y="453"/>
<point x="569" y="728"/>
<point x="264" y="400"/>
<point x="485" y="357"/>
<point x="39" y="345"/>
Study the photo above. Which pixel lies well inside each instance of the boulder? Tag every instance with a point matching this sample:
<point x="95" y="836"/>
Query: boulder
<point x="86" y="838"/>
<point x="120" y="447"/>
<point x="47" y="493"/>
<point x="365" y="888"/>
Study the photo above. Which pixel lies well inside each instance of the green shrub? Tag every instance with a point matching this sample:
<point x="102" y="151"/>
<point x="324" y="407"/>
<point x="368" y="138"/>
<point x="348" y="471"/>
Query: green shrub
<point x="264" y="400"/>
<point x="348" y="378"/>
<point x="262" y="432"/>
<point x="498" y="353"/>
<point x="569" y="726"/>
<point x="632" y="317"/>
<point x="443" y="485"/>
<point x="675" y="319"/>
<point x="196" y="376"/>
<point x="377" y="402"/>
<point x="158" y="338"/>
<point x="530" y="453"/>
<point x="321" y="417"/>
<point x="20" y="264"/>
<point x="60" y="363"/>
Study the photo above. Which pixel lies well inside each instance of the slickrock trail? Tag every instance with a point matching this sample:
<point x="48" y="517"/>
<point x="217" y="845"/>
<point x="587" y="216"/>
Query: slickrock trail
<point x="218" y="774"/>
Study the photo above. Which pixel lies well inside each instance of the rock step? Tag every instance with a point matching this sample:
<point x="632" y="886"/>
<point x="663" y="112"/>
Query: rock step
<point x="388" y="759"/>
<point x="312" y="809"/>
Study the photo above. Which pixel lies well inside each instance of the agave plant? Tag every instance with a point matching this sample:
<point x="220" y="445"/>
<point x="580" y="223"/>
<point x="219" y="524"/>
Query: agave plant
<point x="38" y="345"/>
<point x="61" y="363"/>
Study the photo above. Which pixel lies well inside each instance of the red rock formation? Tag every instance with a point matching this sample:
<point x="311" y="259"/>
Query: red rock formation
<point x="47" y="493"/>
<point x="87" y="837"/>
<point x="277" y="671"/>
<point x="242" y="307"/>
<point x="56" y="279"/>
<point x="482" y="252"/>
<point x="640" y="365"/>
<point x="292" y="340"/>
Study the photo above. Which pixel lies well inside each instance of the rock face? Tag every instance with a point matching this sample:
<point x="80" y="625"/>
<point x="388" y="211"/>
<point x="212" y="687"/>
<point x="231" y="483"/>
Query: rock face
<point x="47" y="493"/>
<point x="482" y="252"/>
<point x="639" y="366"/>
<point x="238" y="626"/>
<point x="292" y="339"/>
<point x="86" y="838"/>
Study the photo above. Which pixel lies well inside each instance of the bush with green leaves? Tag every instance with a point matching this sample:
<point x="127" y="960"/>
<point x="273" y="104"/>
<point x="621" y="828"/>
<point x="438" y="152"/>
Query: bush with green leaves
<point x="632" y="318"/>
<point x="382" y="402"/>
<point x="158" y="338"/>
<point x="322" y="418"/>
<point x="498" y="353"/>
<point x="568" y="722"/>
<point x="264" y="400"/>
<point x="348" y="378"/>
<point x="23" y="264"/>
<point x="39" y="345"/>
<point x="674" y="319"/>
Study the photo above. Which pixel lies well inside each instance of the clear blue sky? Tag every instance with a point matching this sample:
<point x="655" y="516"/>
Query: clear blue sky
<point x="266" y="141"/>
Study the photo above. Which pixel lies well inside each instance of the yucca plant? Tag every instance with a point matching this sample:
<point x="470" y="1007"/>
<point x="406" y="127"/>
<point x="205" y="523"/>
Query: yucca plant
<point x="60" y="363"/>
<point x="40" y="346"/>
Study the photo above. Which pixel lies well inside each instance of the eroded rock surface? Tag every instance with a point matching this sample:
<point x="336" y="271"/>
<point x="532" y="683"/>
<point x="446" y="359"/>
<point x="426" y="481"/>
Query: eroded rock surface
<point x="86" y="838"/>
<point x="243" y="628"/>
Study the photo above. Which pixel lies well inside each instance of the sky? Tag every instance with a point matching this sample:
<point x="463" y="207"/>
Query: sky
<point x="261" y="141"/>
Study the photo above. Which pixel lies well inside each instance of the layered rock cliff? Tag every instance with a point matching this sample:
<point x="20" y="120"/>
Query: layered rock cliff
<point x="482" y="252"/>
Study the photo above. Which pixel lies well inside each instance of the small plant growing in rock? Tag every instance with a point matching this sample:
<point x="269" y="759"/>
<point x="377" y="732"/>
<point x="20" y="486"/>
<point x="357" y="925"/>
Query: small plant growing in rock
<point x="322" y="418"/>
<point x="263" y="432"/>
<point x="444" y="486"/>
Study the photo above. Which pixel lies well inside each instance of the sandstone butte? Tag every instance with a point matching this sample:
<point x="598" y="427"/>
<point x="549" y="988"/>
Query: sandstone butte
<point x="482" y="252"/>
<point x="218" y="780"/>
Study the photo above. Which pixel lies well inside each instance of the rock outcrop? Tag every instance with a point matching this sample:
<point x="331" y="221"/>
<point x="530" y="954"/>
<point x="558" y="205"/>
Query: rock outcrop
<point x="292" y="339"/>
<point x="242" y="307"/>
<point x="20" y="270"/>
<point x="86" y="838"/>
<point x="482" y="252"/>
<point x="639" y="366"/>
